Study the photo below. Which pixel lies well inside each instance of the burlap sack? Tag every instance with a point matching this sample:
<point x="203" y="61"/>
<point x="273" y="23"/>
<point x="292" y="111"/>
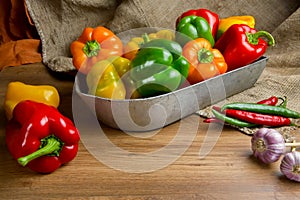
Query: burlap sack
<point x="59" y="22"/>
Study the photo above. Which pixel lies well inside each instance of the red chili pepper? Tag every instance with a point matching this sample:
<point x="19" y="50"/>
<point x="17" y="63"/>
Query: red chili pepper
<point x="273" y="100"/>
<point x="242" y="45"/>
<point x="217" y="108"/>
<point x="40" y="137"/>
<point x="257" y="118"/>
<point x="211" y="17"/>
<point x="213" y="120"/>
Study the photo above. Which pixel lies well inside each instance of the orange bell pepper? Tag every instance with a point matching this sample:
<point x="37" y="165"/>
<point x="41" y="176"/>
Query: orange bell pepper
<point x="93" y="45"/>
<point x="205" y="62"/>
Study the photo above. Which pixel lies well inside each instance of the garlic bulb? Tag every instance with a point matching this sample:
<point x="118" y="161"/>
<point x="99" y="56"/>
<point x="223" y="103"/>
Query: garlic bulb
<point x="290" y="165"/>
<point x="267" y="145"/>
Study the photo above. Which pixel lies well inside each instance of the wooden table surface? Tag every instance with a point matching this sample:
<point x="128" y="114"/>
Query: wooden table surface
<point x="228" y="171"/>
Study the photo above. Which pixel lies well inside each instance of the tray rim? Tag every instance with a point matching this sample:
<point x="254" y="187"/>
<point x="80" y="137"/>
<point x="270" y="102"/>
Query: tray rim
<point x="78" y="90"/>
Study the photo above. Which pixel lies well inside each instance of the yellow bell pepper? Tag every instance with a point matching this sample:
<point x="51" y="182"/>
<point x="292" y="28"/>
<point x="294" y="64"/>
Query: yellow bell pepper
<point x="104" y="81"/>
<point x="162" y="34"/>
<point x="132" y="47"/>
<point x="122" y="66"/>
<point x="225" y="23"/>
<point x="18" y="91"/>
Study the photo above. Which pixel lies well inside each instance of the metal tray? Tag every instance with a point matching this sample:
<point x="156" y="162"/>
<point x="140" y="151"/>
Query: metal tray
<point x="147" y="114"/>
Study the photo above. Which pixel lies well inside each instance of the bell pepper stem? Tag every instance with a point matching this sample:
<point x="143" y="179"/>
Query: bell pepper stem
<point x="253" y="37"/>
<point x="91" y="48"/>
<point x="53" y="145"/>
<point x="146" y="38"/>
<point x="205" y="56"/>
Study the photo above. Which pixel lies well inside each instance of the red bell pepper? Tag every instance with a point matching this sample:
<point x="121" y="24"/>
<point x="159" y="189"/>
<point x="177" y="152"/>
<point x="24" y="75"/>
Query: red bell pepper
<point x="211" y="17"/>
<point x="242" y="45"/>
<point x="40" y="137"/>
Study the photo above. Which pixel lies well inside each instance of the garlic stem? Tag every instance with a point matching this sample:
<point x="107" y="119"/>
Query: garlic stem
<point x="292" y="144"/>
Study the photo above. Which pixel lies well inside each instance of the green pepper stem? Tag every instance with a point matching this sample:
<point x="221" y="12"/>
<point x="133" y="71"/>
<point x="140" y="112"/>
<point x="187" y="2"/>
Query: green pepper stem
<point x="52" y="145"/>
<point x="253" y="37"/>
<point x="205" y="56"/>
<point x="146" y="38"/>
<point x="284" y="101"/>
<point x="91" y="48"/>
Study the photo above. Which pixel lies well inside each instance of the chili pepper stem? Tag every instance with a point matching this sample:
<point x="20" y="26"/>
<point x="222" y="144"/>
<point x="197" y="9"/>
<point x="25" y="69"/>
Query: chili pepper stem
<point x="284" y="101"/>
<point x="253" y="37"/>
<point x="52" y="145"/>
<point x="91" y="48"/>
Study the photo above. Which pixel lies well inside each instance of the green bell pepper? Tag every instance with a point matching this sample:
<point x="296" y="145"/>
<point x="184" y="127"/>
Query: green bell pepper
<point x="195" y="27"/>
<point x="180" y="63"/>
<point x="159" y="67"/>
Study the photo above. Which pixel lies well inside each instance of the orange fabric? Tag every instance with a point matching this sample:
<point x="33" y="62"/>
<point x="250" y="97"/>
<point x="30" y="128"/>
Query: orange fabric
<point x="19" y="41"/>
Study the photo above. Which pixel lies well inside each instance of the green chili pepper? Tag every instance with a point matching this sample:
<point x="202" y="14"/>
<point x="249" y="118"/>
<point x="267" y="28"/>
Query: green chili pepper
<point x="264" y="109"/>
<point x="231" y="121"/>
<point x="195" y="27"/>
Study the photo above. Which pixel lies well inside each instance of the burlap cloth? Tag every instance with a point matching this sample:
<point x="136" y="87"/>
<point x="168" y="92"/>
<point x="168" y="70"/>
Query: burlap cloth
<point x="59" y="22"/>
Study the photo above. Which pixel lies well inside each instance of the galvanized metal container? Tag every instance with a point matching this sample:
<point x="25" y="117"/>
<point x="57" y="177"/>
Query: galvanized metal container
<point x="156" y="112"/>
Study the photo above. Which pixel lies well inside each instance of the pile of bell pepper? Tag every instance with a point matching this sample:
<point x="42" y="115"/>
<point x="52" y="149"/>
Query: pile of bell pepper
<point x="37" y="134"/>
<point x="202" y="46"/>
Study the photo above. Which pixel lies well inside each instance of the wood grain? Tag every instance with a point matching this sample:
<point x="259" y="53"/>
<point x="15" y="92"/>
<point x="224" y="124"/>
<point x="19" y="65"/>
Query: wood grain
<point x="228" y="171"/>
